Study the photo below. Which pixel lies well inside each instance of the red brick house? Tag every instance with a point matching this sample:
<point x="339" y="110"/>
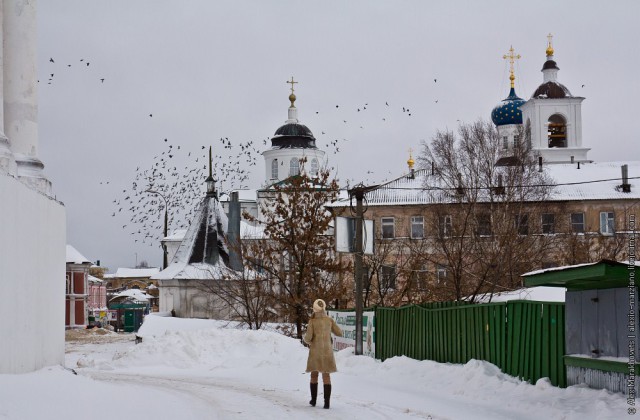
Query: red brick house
<point x="77" y="291"/>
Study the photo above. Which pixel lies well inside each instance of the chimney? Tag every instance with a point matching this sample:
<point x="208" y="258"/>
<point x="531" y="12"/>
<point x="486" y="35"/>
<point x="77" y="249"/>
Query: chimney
<point x="233" y="233"/>
<point x="539" y="163"/>
<point x="626" y="187"/>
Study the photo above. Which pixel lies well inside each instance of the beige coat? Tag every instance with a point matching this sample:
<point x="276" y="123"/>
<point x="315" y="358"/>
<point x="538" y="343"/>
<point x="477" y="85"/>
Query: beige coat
<point x="318" y="337"/>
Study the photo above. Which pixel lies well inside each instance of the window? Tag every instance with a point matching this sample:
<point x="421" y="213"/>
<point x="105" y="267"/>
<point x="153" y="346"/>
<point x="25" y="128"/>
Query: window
<point x="314" y="167"/>
<point x="441" y="274"/>
<point x="444" y="226"/>
<point x="483" y="227"/>
<point x="577" y="222"/>
<point x="548" y="223"/>
<point x="274" y="169"/>
<point x="557" y="131"/>
<point x="419" y="278"/>
<point x="388" y="228"/>
<point x="521" y="224"/>
<point x="294" y="167"/>
<point x="417" y="227"/>
<point x="505" y="142"/>
<point x="388" y="277"/>
<point x="607" y="223"/>
<point x="516" y="141"/>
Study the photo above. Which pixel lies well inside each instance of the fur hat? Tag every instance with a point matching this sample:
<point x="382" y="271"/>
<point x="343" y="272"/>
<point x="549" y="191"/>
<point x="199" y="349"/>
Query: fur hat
<point x="319" y="305"/>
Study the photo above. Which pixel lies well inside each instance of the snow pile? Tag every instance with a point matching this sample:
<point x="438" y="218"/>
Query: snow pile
<point x="212" y="369"/>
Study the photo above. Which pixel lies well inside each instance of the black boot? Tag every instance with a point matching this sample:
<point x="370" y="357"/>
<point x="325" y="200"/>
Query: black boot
<point x="314" y="394"/>
<point x="327" y="395"/>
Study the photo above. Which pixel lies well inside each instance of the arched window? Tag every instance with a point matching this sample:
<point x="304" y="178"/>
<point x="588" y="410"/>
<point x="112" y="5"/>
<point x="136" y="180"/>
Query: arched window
<point x="274" y="169"/>
<point x="314" y="167"/>
<point x="557" y="131"/>
<point x="294" y="167"/>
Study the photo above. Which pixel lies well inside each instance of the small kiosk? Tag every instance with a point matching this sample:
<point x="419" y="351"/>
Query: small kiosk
<point x="601" y="330"/>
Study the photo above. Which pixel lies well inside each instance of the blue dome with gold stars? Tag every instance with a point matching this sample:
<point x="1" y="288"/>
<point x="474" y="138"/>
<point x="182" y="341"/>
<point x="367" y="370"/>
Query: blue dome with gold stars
<point x="508" y="111"/>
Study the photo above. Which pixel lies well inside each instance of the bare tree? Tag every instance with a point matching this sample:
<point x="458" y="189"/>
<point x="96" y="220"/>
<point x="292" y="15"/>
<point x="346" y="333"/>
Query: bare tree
<point x="487" y="205"/>
<point x="297" y="253"/>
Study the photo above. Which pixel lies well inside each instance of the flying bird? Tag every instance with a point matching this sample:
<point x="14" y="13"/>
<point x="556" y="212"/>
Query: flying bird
<point x="51" y="60"/>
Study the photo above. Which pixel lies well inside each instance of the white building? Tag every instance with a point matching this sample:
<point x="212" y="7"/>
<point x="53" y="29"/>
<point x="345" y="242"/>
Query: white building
<point x="552" y="117"/>
<point x="33" y="241"/>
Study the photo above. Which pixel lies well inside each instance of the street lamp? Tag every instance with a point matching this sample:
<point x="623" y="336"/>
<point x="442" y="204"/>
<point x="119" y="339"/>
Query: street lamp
<point x="166" y="222"/>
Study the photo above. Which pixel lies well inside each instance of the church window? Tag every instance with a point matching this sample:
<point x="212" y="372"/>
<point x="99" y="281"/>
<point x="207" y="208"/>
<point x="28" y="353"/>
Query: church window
<point x="505" y="142"/>
<point x="314" y="167"/>
<point x="388" y="227"/>
<point x="557" y="131"/>
<point x="274" y="169"/>
<point x="577" y="222"/>
<point x="607" y="223"/>
<point x="294" y="167"/>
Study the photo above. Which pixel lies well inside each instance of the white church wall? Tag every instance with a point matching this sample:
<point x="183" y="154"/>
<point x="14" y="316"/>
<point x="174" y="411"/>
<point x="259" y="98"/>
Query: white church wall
<point x="32" y="278"/>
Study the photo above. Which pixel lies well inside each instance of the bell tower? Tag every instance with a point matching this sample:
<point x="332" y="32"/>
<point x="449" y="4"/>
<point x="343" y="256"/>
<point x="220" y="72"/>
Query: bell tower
<point x="552" y="118"/>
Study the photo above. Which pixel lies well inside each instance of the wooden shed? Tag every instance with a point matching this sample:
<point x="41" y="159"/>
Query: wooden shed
<point x="601" y="324"/>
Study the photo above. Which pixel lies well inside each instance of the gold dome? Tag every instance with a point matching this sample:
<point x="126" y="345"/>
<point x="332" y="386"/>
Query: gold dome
<point x="292" y="98"/>
<point x="549" y="46"/>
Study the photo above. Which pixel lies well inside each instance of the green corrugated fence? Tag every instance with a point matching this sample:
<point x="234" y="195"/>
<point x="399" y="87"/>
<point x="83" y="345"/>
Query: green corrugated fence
<point x="523" y="338"/>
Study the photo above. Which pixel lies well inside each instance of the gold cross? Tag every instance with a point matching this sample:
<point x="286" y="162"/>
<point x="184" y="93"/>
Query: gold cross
<point x="511" y="57"/>
<point x="291" y="83"/>
<point x="549" y="45"/>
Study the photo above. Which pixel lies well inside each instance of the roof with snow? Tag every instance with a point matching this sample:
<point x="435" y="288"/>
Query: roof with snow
<point x="176" y="235"/>
<point x="592" y="181"/>
<point x="132" y="294"/>
<point x="203" y="253"/>
<point x="93" y="279"/>
<point x="74" y="257"/>
<point x="604" y="274"/>
<point x="135" y="272"/>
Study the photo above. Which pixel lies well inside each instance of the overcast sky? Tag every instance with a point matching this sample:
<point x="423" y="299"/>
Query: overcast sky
<point x="210" y="69"/>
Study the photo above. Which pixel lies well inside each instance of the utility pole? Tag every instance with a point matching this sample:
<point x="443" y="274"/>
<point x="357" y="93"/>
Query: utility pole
<point x="358" y="192"/>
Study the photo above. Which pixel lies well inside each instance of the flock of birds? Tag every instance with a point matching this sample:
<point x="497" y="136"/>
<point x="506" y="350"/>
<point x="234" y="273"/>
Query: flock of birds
<point x="175" y="182"/>
<point x="53" y="65"/>
<point x="174" y="179"/>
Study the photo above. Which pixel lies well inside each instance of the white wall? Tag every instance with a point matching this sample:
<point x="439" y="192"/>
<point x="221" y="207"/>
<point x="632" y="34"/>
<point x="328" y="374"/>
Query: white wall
<point x="32" y="278"/>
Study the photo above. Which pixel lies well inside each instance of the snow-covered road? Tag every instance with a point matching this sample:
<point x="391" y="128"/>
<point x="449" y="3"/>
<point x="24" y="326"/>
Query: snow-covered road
<point x="197" y="369"/>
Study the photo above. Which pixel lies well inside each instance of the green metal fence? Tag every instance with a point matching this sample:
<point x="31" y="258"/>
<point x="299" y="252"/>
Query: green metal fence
<point x="523" y="338"/>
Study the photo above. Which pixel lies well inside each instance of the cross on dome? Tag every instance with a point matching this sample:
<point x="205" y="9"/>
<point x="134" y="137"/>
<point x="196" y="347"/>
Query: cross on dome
<point x="549" y="45"/>
<point x="292" y="97"/>
<point x="511" y="57"/>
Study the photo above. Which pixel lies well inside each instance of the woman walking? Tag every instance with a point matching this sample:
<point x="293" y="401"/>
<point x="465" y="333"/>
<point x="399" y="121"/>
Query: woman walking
<point x="321" y="358"/>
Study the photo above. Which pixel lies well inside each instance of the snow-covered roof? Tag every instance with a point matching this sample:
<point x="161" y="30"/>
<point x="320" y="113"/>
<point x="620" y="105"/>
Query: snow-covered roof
<point x="93" y="279"/>
<point x="74" y="257"/>
<point x="541" y="293"/>
<point x="243" y="196"/>
<point x="134" y="294"/>
<point x="201" y="241"/>
<point x="593" y="181"/>
<point x="566" y="267"/>
<point x="176" y="235"/>
<point x="136" y="272"/>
